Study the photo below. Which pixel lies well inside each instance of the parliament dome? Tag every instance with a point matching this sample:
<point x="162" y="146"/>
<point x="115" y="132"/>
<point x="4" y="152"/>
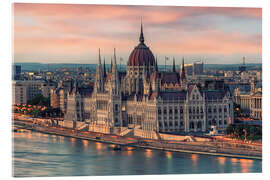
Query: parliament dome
<point x="141" y="55"/>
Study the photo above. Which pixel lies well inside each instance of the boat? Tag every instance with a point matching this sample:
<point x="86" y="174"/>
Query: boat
<point x="117" y="148"/>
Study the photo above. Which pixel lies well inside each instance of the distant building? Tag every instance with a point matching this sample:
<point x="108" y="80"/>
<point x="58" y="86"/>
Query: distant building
<point x="243" y="67"/>
<point x="24" y="91"/>
<point x="16" y="72"/>
<point x="194" y="69"/>
<point x="250" y="102"/>
<point x="198" y="68"/>
<point x="189" y="69"/>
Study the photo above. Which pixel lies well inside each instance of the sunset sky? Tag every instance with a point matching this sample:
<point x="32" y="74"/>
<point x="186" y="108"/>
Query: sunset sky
<point x="59" y="33"/>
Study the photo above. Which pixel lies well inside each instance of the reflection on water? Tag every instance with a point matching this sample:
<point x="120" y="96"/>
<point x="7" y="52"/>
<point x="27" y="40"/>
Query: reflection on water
<point x="194" y="158"/>
<point x="246" y="164"/>
<point x="169" y="154"/>
<point x="221" y="160"/>
<point x="148" y="153"/>
<point x="37" y="154"/>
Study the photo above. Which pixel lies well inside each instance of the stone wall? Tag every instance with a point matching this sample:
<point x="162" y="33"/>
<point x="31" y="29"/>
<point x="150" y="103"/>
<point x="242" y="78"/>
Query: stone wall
<point x="100" y="128"/>
<point x="145" y="134"/>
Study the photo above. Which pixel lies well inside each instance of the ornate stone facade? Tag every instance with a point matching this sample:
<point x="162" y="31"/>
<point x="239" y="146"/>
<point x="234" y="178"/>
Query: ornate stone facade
<point x="147" y="99"/>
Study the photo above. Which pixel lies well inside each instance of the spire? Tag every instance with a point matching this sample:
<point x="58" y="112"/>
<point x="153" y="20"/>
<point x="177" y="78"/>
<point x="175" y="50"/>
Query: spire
<point x="141" y="35"/>
<point x="99" y="85"/>
<point x="99" y="58"/>
<point x="114" y="56"/>
<point x="111" y="64"/>
<point x="156" y="67"/>
<point x="115" y="77"/>
<point x="183" y="73"/>
<point x="173" y="65"/>
<point x="104" y="69"/>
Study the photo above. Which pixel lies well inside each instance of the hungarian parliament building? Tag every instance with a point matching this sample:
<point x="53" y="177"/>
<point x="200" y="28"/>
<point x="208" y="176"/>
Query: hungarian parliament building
<point x="148" y="99"/>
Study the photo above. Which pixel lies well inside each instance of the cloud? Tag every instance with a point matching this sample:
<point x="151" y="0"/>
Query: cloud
<point x="60" y="30"/>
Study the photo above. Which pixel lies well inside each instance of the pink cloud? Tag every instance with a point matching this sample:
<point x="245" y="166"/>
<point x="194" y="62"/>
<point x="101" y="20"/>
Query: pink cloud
<point x="79" y="29"/>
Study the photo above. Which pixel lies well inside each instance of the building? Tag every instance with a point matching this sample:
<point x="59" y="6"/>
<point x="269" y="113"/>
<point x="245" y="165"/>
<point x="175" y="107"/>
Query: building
<point x="24" y="91"/>
<point x="16" y="72"/>
<point x="198" y="68"/>
<point x="250" y="102"/>
<point x="144" y="98"/>
<point x="243" y="67"/>
<point x="195" y="69"/>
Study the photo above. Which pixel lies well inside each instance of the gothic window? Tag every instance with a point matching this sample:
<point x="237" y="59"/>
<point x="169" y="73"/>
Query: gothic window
<point x="197" y="97"/>
<point x="215" y="110"/>
<point x="170" y="124"/>
<point x="193" y="97"/>
<point x="198" y="110"/>
<point x="181" y="110"/>
<point x="181" y="123"/>
<point x="225" y="109"/>
<point x="159" y="111"/>
<point x="192" y="125"/>
<point x="164" y="111"/>
<point x="214" y="122"/>
<point x="220" y="122"/>
<point x="193" y="110"/>
<point x="116" y="107"/>
<point x="209" y="110"/>
<point x="170" y="111"/>
<point x="219" y="110"/>
<point x="199" y="125"/>
<point x="175" y="111"/>
<point x="201" y="110"/>
<point x="190" y="111"/>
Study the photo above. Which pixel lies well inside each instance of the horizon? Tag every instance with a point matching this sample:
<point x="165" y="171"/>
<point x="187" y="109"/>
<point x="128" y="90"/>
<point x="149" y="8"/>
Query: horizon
<point x="72" y="33"/>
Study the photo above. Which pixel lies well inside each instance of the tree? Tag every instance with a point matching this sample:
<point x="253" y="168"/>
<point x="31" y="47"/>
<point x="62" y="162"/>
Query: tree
<point x="40" y="100"/>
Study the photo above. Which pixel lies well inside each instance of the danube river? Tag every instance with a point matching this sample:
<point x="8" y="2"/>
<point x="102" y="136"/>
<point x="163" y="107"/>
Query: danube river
<point x="38" y="154"/>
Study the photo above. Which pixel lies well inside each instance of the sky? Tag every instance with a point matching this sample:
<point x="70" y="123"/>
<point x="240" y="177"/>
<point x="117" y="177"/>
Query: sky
<point x="69" y="33"/>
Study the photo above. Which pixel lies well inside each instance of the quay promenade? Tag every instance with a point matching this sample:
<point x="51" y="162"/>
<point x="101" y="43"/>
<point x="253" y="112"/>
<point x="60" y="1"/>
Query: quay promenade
<point x="217" y="148"/>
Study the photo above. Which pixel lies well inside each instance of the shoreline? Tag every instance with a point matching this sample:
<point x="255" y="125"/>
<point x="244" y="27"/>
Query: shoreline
<point x="141" y="143"/>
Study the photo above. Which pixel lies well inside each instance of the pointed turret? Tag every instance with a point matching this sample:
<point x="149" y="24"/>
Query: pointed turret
<point x="111" y="64"/>
<point x="173" y="69"/>
<point x="104" y="69"/>
<point x="99" y="83"/>
<point x="183" y="73"/>
<point x="141" y="34"/>
<point x="115" y="77"/>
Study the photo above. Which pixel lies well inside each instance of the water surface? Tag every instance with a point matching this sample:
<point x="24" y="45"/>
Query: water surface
<point x="38" y="154"/>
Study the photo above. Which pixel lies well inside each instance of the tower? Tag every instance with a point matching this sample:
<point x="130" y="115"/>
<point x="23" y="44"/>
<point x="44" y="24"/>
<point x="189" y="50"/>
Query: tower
<point x="141" y="63"/>
<point x="99" y="82"/>
<point x="115" y="97"/>
<point x="183" y="79"/>
<point x="173" y="69"/>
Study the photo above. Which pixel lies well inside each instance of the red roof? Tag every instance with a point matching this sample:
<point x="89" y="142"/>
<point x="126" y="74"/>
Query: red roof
<point x="141" y="56"/>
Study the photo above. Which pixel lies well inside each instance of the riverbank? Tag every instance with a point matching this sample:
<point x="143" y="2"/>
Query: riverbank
<point x="207" y="148"/>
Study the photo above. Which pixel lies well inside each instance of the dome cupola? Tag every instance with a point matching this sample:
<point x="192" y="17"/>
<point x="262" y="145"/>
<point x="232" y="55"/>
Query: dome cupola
<point x="141" y="55"/>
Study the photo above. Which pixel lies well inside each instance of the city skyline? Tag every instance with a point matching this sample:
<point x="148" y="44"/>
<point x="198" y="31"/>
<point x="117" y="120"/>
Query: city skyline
<point x="65" y="33"/>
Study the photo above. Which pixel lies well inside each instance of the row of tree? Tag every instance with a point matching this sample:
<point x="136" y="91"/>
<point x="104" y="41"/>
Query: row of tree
<point x="244" y="131"/>
<point x="39" y="106"/>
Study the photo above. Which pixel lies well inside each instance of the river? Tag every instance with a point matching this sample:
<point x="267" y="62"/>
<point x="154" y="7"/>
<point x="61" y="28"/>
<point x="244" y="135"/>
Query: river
<point x="37" y="154"/>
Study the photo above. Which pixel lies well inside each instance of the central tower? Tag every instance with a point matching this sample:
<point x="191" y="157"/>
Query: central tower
<point x="141" y="64"/>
